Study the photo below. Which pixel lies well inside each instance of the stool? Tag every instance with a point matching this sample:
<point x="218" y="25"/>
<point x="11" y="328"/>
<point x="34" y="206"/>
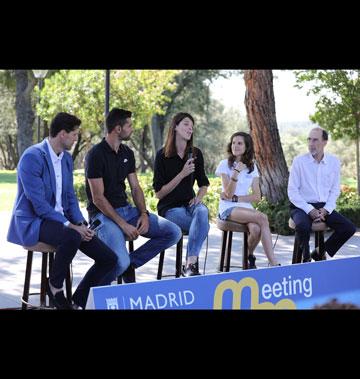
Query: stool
<point x="319" y="228"/>
<point x="131" y="249"/>
<point x="178" y="263"/>
<point x="46" y="251"/>
<point x="228" y="228"/>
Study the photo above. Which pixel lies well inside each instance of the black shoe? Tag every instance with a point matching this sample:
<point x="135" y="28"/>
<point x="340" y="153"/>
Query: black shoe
<point x="315" y="255"/>
<point x="252" y="259"/>
<point x="191" y="270"/>
<point x="128" y="276"/>
<point x="58" y="299"/>
<point x="306" y="259"/>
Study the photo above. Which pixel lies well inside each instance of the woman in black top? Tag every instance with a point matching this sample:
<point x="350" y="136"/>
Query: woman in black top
<point x="177" y="165"/>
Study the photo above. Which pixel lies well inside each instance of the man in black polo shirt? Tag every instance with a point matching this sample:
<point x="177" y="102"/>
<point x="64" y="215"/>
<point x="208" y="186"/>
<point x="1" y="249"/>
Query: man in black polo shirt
<point x="107" y="165"/>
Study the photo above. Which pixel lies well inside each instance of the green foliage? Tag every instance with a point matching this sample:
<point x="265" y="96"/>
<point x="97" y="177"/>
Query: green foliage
<point x="348" y="204"/>
<point x="339" y="99"/>
<point x="82" y="93"/>
<point x="337" y="108"/>
<point x="211" y="200"/>
<point x="142" y="92"/>
<point x="294" y="143"/>
<point x="278" y="214"/>
<point x="8" y="128"/>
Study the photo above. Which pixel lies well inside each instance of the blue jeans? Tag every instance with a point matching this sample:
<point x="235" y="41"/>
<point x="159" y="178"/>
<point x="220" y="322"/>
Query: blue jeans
<point x="162" y="234"/>
<point x="195" y="221"/>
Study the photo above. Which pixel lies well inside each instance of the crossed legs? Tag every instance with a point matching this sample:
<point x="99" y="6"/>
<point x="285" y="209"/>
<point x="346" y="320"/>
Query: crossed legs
<point x="259" y="229"/>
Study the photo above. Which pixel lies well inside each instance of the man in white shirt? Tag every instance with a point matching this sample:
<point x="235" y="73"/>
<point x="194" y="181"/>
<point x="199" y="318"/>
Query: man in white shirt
<point x="314" y="186"/>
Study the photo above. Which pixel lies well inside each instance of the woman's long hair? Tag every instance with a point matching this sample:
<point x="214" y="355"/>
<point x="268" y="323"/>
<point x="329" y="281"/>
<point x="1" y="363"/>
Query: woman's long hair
<point x="170" y="145"/>
<point x="248" y="156"/>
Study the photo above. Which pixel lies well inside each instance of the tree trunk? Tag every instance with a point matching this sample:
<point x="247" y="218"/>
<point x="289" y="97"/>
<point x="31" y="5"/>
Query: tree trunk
<point x="357" y="156"/>
<point x="143" y="164"/>
<point x="77" y="148"/>
<point x="24" y="112"/>
<point x="157" y="133"/>
<point x="260" y="108"/>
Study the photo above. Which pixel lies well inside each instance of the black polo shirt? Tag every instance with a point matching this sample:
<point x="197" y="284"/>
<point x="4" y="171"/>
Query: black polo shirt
<point x="103" y="162"/>
<point x="166" y="169"/>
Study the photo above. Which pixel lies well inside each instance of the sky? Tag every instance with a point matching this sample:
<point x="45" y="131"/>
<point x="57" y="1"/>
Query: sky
<point x="291" y="104"/>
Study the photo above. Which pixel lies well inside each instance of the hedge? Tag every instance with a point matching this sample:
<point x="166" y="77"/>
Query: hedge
<point x="278" y="214"/>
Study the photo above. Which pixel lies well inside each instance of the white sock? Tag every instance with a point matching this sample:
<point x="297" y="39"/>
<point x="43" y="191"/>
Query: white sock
<point x="191" y="259"/>
<point x="53" y="289"/>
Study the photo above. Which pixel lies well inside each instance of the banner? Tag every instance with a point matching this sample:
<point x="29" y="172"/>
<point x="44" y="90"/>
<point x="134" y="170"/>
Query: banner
<point x="299" y="286"/>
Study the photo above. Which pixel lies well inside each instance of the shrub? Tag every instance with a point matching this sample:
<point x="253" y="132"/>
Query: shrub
<point x="348" y="203"/>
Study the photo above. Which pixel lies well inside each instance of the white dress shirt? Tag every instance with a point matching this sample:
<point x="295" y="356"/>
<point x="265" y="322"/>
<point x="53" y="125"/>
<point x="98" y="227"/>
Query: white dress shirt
<point x="311" y="181"/>
<point x="56" y="161"/>
<point x="242" y="185"/>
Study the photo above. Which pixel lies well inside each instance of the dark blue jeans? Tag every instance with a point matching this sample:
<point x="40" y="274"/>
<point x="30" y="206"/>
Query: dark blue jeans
<point x="343" y="229"/>
<point x="67" y="242"/>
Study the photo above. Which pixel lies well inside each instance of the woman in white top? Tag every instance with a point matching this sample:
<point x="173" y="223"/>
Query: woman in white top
<point x="239" y="173"/>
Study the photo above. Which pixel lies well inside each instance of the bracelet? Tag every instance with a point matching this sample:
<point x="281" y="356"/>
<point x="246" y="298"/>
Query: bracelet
<point x="234" y="180"/>
<point x="237" y="170"/>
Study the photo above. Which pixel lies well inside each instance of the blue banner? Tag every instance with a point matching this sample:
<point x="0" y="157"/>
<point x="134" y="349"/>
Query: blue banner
<point x="300" y="286"/>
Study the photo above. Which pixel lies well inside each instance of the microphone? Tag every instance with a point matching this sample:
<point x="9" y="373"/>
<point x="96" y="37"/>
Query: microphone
<point x="190" y="156"/>
<point x="95" y="224"/>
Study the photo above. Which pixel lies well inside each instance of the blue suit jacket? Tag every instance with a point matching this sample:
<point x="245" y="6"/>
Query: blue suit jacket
<point x="36" y="195"/>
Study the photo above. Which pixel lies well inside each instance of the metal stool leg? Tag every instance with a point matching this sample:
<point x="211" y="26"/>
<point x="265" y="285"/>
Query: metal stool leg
<point x="228" y="252"/>
<point x="131" y="246"/>
<point x="321" y="245"/>
<point x="245" y="252"/>
<point x="296" y="257"/>
<point x="44" y="265"/>
<point x="131" y="249"/>
<point x="161" y="264"/>
<point x="51" y="262"/>
<point x="223" y="250"/>
<point x="25" y="297"/>
<point x="179" y="248"/>
<point x="68" y="284"/>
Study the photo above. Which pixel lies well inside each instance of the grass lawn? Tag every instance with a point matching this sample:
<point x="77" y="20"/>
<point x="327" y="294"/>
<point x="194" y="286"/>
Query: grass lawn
<point x="7" y="189"/>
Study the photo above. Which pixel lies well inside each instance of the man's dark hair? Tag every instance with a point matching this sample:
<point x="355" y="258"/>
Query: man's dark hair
<point x="64" y="121"/>
<point x="116" y="117"/>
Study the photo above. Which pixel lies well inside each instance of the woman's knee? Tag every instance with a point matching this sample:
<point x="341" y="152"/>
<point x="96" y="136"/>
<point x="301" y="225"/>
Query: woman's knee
<point x="202" y="211"/>
<point x="262" y="219"/>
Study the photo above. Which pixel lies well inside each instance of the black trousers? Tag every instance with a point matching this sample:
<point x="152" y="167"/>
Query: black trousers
<point x="343" y="229"/>
<point x="67" y="242"/>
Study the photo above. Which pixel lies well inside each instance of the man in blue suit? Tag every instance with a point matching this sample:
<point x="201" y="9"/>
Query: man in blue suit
<point x="46" y="210"/>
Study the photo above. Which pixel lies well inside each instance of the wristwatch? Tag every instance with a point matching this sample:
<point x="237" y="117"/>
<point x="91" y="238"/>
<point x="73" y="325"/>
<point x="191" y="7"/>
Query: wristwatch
<point x="146" y="211"/>
<point x="82" y="223"/>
